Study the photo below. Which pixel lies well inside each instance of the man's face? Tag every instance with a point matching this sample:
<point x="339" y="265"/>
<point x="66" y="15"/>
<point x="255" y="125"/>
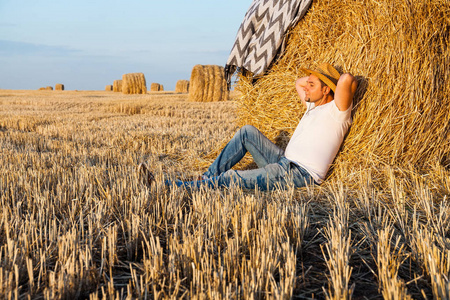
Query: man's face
<point x="313" y="89"/>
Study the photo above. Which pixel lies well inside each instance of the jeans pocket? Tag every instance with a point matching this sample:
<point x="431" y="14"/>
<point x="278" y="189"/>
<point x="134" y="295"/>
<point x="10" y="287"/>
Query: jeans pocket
<point x="300" y="176"/>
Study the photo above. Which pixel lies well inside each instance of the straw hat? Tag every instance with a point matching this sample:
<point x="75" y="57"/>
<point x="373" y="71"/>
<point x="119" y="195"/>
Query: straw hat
<point x="327" y="73"/>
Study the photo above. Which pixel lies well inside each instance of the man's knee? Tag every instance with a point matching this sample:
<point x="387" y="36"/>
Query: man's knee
<point x="248" y="129"/>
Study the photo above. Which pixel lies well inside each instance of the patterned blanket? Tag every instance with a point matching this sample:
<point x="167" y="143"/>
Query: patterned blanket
<point x="262" y="34"/>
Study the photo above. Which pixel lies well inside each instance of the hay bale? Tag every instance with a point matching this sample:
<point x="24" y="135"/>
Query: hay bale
<point x="182" y="86"/>
<point x="49" y="88"/>
<point x="208" y="84"/>
<point x="59" y="87"/>
<point x="41" y="89"/>
<point x="117" y="85"/>
<point x="109" y="88"/>
<point x="401" y="59"/>
<point x="134" y="83"/>
<point x="156" y="87"/>
<point x="235" y="95"/>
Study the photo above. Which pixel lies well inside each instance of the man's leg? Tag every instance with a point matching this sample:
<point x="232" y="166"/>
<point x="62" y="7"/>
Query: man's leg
<point x="250" y="139"/>
<point x="271" y="176"/>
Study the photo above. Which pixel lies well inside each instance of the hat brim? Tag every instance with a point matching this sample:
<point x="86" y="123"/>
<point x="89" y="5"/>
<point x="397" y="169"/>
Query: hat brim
<point x="322" y="77"/>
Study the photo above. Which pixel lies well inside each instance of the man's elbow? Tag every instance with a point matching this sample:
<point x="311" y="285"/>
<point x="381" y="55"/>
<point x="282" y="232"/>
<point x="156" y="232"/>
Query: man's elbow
<point x="349" y="80"/>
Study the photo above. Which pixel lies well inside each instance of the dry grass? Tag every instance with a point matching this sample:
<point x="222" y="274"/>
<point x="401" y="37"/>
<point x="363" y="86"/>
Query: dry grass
<point x="388" y="264"/>
<point x="208" y="84"/>
<point x="74" y="222"/>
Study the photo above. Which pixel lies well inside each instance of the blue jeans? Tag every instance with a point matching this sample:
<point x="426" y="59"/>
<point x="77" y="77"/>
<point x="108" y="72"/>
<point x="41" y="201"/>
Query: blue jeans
<point x="274" y="170"/>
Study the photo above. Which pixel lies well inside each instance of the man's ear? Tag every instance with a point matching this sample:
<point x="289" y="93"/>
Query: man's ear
<point x="327" y="89"/>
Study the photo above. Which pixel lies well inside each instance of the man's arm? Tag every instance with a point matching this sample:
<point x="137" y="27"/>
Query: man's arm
<point x="345" y="90"/>
<point x="299" y="85"/>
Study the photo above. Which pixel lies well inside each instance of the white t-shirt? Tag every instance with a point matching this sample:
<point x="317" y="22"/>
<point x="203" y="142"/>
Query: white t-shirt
<point x="318" y="137"/>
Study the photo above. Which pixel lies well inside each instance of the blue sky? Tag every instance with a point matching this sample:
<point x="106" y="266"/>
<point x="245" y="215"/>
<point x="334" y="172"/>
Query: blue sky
<point x="87" y="44"/>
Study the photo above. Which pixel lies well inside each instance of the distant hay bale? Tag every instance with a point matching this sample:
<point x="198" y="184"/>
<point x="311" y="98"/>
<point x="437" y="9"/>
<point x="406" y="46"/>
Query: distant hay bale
<point x="109" y="88"/>
<point x="156" y="87"/>
<point x="117" y="85"/>
<point x="401" y="59"/>
<point x="207" y="84"/>
<point x="49" y="88"/>
<point x="41" y="88"/>
<point x="59" y="87"/>
<point x="134" y="83"/>
<point x="182" y="86"/>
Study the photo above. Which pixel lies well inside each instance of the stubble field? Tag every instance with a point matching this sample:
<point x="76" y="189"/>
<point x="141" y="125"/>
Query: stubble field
<point x="75" y="223"/>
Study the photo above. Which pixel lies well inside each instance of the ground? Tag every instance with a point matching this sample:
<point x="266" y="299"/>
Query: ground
<point x="76" y="222"/>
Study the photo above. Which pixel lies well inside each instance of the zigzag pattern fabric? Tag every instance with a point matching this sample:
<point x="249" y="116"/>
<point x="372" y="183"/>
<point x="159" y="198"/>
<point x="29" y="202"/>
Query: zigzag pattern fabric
<point x="262" y="34"/>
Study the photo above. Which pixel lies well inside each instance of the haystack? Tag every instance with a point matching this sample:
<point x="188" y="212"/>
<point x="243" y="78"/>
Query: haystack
<point x="399" y="52"/>
<point x="156" y="87"/>
<point x="182" y="86"/>
<point x="208" y="84"/>
<point x="109" y="88"/>
<point x="117" y="85"/>
<point x="49" y="88"/>
<point x="134" y="83"/>
<point x="59" y="87"/>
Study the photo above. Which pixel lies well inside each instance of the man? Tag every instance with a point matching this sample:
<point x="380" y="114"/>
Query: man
<point x="327" y="97"/>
